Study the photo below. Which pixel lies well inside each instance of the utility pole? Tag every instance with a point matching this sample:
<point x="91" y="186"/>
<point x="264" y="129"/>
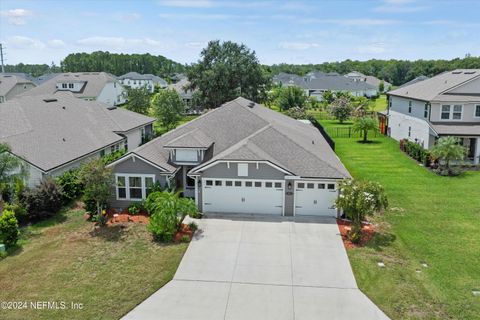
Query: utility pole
<point x="1" y="57"/>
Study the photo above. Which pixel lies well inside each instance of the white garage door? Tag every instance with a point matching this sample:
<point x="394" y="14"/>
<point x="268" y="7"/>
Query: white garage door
<point x="242" y="196"/>
<point x="315" y="198"/>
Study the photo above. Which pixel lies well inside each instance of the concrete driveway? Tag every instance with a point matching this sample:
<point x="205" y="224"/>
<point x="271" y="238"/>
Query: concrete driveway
<point x="262" y="268"/>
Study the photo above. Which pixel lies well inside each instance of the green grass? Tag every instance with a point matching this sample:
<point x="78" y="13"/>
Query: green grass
<point x="431" y="219"/>
<point x="109" y="271"/>
<point x="379" y="104"/>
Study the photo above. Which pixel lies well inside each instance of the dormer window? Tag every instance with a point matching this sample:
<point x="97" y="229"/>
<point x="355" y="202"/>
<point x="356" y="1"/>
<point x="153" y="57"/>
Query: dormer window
<point x="64" y="86"/>
<point x="70" y="85"/>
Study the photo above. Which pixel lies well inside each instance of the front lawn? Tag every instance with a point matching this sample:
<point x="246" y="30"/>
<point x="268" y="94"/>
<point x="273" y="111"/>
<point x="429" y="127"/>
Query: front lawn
<point x="109" y="271"/>
<point x="432" y="220"/>
<point x="379" y="104"/>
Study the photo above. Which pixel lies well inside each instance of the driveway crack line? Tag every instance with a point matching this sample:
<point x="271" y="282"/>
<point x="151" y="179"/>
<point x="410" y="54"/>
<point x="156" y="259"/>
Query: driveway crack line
<point x="291" y="265"/>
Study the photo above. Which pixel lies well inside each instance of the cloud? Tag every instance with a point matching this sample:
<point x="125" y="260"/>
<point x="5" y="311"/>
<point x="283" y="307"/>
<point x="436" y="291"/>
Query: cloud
<point x="129" y="17"/>
<point x="187" y="3"/>
<point x="298" y="45"/>
<point x="194" y="16"/>
<point x="16" y="16"/>
<point x="119" y="42"/>
<point x="399" y="6"/>
<point x="213" y="4"/>
<point x="352" y="22"/>
<point x="196" y="44"/>
<point x="21" y="42"/>
<point x="56" y="43"/>
<point x="374" y="48"/>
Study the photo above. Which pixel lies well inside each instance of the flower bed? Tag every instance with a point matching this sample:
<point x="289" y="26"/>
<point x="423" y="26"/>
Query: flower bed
<point x="124" y="216"/>
<point x="368" y="231"/>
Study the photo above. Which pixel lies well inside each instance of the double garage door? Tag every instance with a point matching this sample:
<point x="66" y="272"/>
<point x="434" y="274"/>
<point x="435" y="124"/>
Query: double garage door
<point x="243" y="196"/>
<point x="311" y="198"/>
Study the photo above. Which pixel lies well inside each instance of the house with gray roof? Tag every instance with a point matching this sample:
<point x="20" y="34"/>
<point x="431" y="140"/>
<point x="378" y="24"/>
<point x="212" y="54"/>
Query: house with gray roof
<point x="90" y="86"/>
<point x="315" y="83"/>
<point x="136" y="80"/>
<point x="239" y="158"/>
<point x="371" y="80"/>
<point x="13" y="84"/>
<point x="447" y="104"/>
<point x="55" y="133"/>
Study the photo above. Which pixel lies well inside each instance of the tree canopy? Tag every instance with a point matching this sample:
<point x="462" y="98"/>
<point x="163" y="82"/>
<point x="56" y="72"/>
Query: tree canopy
<point x="138" y="100"/>
<point x="168" y="108"/>
<point x="225" y="71"/>
<point x="12" y="169"/>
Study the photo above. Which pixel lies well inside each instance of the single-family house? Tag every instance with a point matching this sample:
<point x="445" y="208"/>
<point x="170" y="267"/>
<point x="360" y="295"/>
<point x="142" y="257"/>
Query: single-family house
<point x="136" y="80"/>
<point x="445" y="105"/>
<point x="55" y="133"/>
<point x="316" y="83"/>
<point x="239" y="158"/>
<point x="182" y="88"/>
<point x="12" y="85"/>
<point x="415" y="80"/>
<point x="90" y="86"/>
<point x="371" y="80"/>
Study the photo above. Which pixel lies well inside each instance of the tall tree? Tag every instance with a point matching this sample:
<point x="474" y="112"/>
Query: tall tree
<point x="168" y="108"/>
<point x="341" y="108"/>
<point x="291" y="97"/>
<point x="365" y="124"/>
<point x="138" y="100"/>
<point x="225" y="71"/>
<point x="12" y="169"/>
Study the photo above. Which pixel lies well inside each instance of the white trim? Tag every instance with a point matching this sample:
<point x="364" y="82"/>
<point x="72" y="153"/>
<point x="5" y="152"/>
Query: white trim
<point x="211" y="164"/>
<point x="451" y="112"/>
<point x="130" y="155"/>
<point x="326" y="181"/>
<point x="127" y="185"/>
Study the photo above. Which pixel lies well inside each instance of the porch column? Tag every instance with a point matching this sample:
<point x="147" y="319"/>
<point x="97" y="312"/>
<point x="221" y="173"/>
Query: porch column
<point x="476" y="159"/>
<point x="196" y="191"/>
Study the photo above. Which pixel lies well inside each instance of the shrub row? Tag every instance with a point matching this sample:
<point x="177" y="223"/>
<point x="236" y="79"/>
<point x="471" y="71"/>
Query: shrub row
<point x="416" y="151"/>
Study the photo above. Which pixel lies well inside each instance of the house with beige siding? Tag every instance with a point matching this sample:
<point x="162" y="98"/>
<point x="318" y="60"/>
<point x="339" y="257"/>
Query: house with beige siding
<point x="445" y="105"/>
<point x="56" y="133"/>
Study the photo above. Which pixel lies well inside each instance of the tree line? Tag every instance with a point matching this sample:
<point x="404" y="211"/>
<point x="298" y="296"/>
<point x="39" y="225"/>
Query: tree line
<point x="114" y="63"/>
<point x="396" y="72"/>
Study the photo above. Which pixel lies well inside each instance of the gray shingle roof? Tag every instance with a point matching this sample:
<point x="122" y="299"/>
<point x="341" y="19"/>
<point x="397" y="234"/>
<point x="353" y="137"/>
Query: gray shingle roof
<point x="417" y="79"/>
<point x="323" y="81"/>
<point x="95" y="82"/>
<point x="241" y="132"/>
<point x="49" y="134"/>
<point x="468" y="129"/>
<point x="431" y="89"/>
<point x="193" y="139"/>
<point x="138" y="76"/>
<point x="8" y="81"/>
<point x="180" y="88"/>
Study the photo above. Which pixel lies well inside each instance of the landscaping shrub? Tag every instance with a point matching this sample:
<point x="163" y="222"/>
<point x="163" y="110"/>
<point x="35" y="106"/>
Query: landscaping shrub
<point x="8" y="228"/>
<point x="193" y="226"/>
<point x="19" y="210"/>
<point x="111" y="157"/>
<point x="71" y="186"/>
<point x="355" y="234"/>
<point x="185" y="239"/>
<point x="43" y="201"/>
<point x="135" y="208"/>
<point x="296" y="113"/>
<point x="167" y="211"/>
<point x="416" y="152"/>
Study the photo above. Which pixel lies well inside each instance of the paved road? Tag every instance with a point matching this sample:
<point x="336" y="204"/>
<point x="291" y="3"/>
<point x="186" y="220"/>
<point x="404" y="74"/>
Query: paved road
<point x="262" y="268"/>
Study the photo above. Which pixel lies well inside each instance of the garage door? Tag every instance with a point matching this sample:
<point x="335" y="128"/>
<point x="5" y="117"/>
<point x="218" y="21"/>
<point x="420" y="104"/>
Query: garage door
<point x="315" y="198"/>
<point x="243" y="196"/>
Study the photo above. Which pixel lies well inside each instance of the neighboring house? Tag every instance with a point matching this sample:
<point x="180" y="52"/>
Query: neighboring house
<point x="445" y="105"/>
<point x="238" y="158"/>
<point x="371" y="80"/>
<point x="90" y="86"/>
<point x="181" y="87"/>
<point x="55" y="133"/>
<point x="316" y="83"/>
<point x="136" y="80"/>
<point x="12" y="85"/>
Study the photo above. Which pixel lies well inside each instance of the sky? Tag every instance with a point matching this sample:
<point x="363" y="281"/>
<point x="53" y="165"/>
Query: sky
<point x="298" y="32"/>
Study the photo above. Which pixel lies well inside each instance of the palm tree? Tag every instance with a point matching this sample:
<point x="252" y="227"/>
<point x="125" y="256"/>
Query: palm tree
<point x="448" y="149"/>
<point x="12" y="169"/>
<point x="364" y="124"/>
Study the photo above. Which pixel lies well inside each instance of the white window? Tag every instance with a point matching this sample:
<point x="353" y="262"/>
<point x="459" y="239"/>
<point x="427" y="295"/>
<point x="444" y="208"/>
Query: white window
<point x="477" y="111"/>
<point x="425" y="111"/>
<point x="457" y="112"/>
<point x="64" y="86"/>
<point x="445" y="112"/>
<point x="134" y="187"/>
<point x="409" y="132"/>
<point x="242" y="170"/>
<point x="70" y="85"/>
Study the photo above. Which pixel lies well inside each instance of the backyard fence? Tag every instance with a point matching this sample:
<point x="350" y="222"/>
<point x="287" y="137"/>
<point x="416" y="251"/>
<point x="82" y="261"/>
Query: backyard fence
<point x="347" y="132"/>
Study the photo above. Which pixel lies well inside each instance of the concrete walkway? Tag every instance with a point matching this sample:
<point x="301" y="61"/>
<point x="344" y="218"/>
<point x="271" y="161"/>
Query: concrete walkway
<point x="262" y="268"/>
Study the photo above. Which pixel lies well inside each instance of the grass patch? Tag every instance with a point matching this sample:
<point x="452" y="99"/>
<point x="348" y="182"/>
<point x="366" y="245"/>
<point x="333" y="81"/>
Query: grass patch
<point x="432" y="220"/>
<point x="109" y="271"/>
<point x="379" y="104"/>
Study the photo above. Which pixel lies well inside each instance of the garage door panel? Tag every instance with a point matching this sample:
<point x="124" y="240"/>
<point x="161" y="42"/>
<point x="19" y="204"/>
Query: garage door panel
<point x="243" y="196"/>
<point x="315" y="198"/>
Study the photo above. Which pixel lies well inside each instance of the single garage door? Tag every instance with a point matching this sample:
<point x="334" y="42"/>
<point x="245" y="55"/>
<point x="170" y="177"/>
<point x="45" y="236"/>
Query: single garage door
<point x="243" y="196"/>
<point x="315" y="198"/>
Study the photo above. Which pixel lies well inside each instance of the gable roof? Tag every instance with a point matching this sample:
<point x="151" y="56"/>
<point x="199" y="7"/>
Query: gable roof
<point x="138" y="76"/>
<point x="49" y="131"/>
<point x="243" y="130"/>
<point x="94" y="83"/>
<point x="317" y="80"/>
<point x="9" y="81"/>
<point x="180" y="86"/>
<point x="432" y="88"/>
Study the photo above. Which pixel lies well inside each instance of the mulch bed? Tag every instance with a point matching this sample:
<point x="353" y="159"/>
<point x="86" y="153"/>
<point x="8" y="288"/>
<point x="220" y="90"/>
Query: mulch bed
<point x="124" y="216"/>
<point x="368" y="231"/>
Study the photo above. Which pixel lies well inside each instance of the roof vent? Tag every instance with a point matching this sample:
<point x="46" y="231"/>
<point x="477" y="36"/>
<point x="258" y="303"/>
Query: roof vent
<point x="313" y="142"/>
<point x="111" y="108"/>
<point x="64" y="139"/>
<point x="50" y="100"/>
<point x="457" y="72"/>
<point x="63" y="107"/>
<point x="251" y="104"/>
<point x="469" y="72"/>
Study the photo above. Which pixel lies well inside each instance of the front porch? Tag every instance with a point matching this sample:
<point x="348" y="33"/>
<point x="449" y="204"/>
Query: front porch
<point x="472" y="144"/>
